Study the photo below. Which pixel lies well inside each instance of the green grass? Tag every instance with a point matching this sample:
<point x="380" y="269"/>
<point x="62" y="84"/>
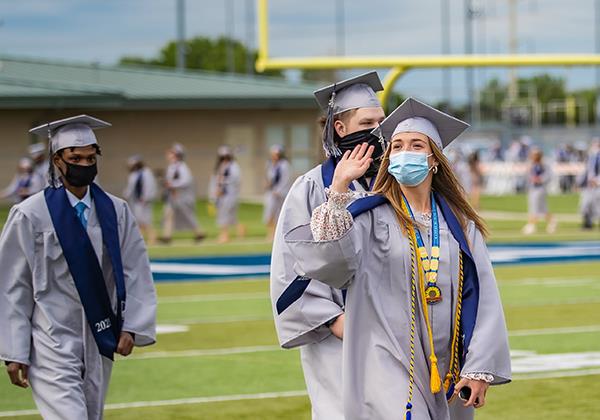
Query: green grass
<point x="237" y="314"/>
<point x="534" y="296"/>
<point x="565" y="203"/>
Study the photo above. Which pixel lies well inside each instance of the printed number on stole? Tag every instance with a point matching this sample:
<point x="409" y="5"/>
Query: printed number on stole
<point x="103" y="325"/>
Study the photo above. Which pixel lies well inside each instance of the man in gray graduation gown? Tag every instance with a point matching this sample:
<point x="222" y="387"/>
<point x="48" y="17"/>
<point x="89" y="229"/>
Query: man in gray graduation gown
<point x="224" y="192"/>
<point x="179" y="212"/>
<point x="313" y="320"/>
<point x="46" y="340"/>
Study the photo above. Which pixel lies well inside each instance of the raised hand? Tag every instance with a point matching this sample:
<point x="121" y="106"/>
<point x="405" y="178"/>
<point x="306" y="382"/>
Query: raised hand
<point x="351" y="166"/>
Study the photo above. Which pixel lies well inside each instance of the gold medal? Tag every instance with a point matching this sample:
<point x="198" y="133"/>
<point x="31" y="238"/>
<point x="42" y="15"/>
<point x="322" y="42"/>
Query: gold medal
<point x="433" y="294"/>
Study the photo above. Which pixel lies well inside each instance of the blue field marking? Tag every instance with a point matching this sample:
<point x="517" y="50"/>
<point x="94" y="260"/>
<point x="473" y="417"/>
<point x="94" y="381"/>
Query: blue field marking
<point x="226" y="267"/>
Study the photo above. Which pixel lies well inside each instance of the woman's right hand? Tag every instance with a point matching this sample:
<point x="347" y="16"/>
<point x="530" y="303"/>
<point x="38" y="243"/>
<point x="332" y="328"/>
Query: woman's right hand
<point x="351" y="166"/>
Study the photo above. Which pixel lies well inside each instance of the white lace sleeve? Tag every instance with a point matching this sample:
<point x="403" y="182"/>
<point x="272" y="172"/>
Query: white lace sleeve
<point x="331" y="220"/>
<point x="479" y="376"/>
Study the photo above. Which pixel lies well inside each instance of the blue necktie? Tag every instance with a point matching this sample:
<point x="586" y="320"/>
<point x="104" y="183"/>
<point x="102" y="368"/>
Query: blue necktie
<point x="80" y="210"/>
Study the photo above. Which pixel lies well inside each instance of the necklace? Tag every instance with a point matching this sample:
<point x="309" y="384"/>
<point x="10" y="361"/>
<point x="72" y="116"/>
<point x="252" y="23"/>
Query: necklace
<point x="430" y="263"/>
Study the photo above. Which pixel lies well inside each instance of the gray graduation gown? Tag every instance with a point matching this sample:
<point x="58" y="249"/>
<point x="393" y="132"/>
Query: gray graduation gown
<point x="302" y="323"/>
<point x="182" y="198"/>
<point x="278" y="188"/>
<point x="142" y="206"/>
<point x="42" y="322"/>
<point x="373" y="260"/>
<point x="228" y="182"/>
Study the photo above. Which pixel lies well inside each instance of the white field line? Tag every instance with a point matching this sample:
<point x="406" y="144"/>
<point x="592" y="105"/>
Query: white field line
<point x="555" y="331"/>
<point x="513" y="254"/>
<point x="183" y="401"/>
<point x="208" y="269"/>
<point x="202" y="352"/>
<point x="214" y="298"/>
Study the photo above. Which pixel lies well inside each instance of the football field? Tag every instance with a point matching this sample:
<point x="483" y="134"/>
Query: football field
<point x="217" y="355"/>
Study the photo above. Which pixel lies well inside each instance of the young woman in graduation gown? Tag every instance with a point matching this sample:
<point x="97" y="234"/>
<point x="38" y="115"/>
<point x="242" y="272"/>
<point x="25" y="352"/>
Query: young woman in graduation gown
<point x="423" y="314"/>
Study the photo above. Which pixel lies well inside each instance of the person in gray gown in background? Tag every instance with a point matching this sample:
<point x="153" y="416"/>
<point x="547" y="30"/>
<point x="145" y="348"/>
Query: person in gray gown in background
<point x="39" y="157"/>
<point x="179" y="212"/>
<point x="140" y="193"/>
<point x="424" y="321"/>
<point x="589" y="183"/>
<point x="76" y="285"/>
<point x="25" y="183"/>
<point x="278" y="184"/>
<point x="537" y="195"/>
<point x="224" y="192"/>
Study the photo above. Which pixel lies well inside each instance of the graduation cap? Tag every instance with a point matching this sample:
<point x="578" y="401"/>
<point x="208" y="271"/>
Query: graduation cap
<point x="413" y="116"/>
<point x="70" y="132"/>
<point x="134" y="160"/>
<point x="353" y="93"/>
<point x="224" y="151"/>
<point x="36" y="149"/>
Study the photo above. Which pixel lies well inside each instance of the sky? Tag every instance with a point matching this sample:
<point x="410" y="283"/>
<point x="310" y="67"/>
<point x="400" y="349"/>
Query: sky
<point x="102" y="31"/>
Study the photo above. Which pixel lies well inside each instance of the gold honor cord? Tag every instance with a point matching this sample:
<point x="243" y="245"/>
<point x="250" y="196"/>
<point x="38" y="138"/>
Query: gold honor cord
<point x="454" y="369"/>
<point x="413" y="326"/>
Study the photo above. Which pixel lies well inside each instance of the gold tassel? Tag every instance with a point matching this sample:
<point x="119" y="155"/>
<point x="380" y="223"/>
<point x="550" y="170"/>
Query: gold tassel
<point x="436" y="382"/>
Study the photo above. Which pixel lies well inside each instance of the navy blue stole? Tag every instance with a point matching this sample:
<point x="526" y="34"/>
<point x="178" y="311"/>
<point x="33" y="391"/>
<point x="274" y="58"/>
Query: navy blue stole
<point x="138" y="189"/>
<point x="470" y="295"/>
<point x="84" y="265"/>
<point x="276" y="175"/>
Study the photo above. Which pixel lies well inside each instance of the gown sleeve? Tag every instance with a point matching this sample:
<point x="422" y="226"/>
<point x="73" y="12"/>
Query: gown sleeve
<point x="16" y="289"/>
<point x="331" y="220"/>
<point x="488" y="352"/>
<point x="140" y="310"/>
<point x="327" y="248"/>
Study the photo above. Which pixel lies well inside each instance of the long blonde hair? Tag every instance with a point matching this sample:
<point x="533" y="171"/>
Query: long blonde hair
<point x="444" y="183"/>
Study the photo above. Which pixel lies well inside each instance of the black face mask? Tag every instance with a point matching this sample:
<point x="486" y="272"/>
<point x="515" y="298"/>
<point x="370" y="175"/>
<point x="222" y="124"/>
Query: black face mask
<point x="350" y="141"/>
<point x="79" y="175"/>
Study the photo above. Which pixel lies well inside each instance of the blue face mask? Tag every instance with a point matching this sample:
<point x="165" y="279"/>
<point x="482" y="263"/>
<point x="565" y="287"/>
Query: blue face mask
<point x="409" y="168"/>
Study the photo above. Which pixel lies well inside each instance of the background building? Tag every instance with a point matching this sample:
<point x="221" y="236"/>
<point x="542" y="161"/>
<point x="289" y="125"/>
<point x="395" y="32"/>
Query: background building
<point x="150" y="109"/>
